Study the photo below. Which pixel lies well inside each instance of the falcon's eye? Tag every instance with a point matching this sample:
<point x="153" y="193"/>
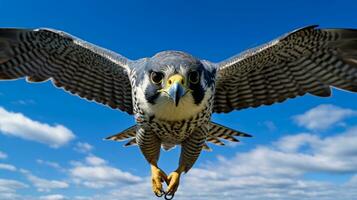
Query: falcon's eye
<point x="156" y="77"/>
<point x="194" y="77"/>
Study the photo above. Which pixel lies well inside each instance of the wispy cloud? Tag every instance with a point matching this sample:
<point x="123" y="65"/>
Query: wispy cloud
<point x="50" y="164"/>
<point x="270" y="125"/>
<point x="323" y="117"/>
<point x="83" y="147"/>
<point x="7" y="167"/>
<point x="9" y="188"/>
<point x="8" y="185"/>
<point x="44" y="185"/>
<point x="3" y="155"/>
<point x="23" y="102"/>
<point x="83" y="198"/>
<point x="53" y="197"/>
<point x="96" y="173"/>
<point x="94" y="160"/>
<point x="18" y="125"/>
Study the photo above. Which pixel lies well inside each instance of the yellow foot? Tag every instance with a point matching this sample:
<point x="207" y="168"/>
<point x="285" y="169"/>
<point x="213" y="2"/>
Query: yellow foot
<point x="174" y="181"/>
<point x="157" y="177"/>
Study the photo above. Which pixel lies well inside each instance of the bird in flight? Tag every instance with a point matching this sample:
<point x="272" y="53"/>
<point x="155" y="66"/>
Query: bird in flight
<point x="172" y="95"/>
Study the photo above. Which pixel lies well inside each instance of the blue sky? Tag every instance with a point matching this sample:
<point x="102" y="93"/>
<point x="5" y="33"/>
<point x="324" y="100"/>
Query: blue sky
<point x="51" y="143"/>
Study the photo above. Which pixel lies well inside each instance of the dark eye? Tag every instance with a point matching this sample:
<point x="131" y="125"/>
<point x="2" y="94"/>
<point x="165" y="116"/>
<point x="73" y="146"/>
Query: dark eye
<point x="156" y="77"/>
<point x="194" y="77"/>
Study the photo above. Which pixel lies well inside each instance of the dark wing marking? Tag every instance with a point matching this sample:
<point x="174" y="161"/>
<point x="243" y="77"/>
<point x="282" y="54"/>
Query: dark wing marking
<point x="218" y="132"/>
<point x="309" y="60"/>
<point x="124" y="135"/>
<point x="79" y="67"/>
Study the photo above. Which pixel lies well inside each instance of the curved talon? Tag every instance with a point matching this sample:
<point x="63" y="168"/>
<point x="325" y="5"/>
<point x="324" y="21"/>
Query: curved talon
<point x="161" y="194"/>
<point x="174" y="181"/>
<point x="169" y="196"/>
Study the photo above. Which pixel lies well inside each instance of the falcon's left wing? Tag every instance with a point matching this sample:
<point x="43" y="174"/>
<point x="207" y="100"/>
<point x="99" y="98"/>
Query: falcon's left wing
<point x="79" y="67"/>
<point x="309" y="60"/>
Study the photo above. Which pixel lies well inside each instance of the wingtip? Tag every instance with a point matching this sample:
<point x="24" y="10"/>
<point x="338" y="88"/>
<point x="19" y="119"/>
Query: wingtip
<point x="241" y="134"/>
<point x="247" y="135"/>
<point x="109" y="138"/>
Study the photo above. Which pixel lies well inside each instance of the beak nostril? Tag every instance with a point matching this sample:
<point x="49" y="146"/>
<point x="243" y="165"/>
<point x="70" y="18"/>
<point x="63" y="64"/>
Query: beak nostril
<point x="170" y="82"/>
<point x="182" y="82"/>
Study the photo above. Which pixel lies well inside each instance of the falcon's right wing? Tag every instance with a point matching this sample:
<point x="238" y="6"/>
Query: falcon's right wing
<point x="73" y="64"/>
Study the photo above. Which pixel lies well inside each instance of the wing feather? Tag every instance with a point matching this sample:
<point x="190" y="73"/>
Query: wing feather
<point x="308" y="60"/>
<point x="79" y="67"/>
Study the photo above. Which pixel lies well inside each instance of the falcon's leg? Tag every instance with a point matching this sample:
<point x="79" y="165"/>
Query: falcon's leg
<point x="149" y="145"/>
<point x="191" y="149"/>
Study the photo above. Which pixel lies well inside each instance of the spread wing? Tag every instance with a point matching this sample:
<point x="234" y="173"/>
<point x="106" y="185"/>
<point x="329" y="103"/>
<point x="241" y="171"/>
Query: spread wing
<point x="73" y="64"/>
<point x="308" y="60"/>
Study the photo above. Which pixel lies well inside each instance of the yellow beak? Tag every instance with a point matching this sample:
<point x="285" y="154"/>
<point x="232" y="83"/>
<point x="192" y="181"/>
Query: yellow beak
<point x="175" y="87"/>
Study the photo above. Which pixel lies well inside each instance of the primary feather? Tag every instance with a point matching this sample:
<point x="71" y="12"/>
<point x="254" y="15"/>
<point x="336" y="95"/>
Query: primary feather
<point x="79" y="67"/>
<point x="308" y="60"/>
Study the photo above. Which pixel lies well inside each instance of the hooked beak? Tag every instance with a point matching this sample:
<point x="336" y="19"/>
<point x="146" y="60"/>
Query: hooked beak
<point x="175" y="88"/>
<point x="175" y="92"/>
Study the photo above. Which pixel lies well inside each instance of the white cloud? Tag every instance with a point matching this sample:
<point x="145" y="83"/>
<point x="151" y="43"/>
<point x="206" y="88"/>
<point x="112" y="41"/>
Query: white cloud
<point x="44" y="185"/>
<point x="50" y="164"/>
<point x="94" y="160"/>
<point x="270" y="125"/>
<point x="298" y="154"/>
<point x="10" y="186"/>
<point x="18" y="125"/>
<point x="83" y="147"/>
<point x="10" y="196"/>
<point x="83" y="198"/>
<point x="293" y="143"/>
<point x="3" y="155"/>
<point x="97" y="174"/>
<point x="9" y="189"/>
<point x="323" y="117"/>
<point x="53" y="197"/>
<point x="7" y="167"/>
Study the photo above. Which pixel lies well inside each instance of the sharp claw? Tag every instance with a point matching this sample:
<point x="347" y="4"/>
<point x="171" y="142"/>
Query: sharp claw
<point x="160" y="194"/>
<point x="169" y="196"/>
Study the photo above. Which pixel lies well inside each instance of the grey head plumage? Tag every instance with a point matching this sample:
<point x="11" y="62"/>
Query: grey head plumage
<point x="173" y="81"/>
<point x="197" y="76"/>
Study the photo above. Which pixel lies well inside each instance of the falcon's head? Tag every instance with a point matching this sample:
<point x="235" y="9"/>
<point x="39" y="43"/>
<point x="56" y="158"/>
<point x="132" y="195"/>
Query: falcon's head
<point x="175" y="85"/>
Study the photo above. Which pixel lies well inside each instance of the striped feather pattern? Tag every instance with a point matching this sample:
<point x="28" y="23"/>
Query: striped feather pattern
<point x="131" y="142"/>
<point x="126" y="134"/>
<point x="75" y="65"/>
<point x="308" y="60"/>
<point x="216" y="132"/>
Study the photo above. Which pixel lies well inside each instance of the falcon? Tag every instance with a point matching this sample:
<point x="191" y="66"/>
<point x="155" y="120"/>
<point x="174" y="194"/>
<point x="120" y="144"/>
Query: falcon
<point x="173" y="94"/>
